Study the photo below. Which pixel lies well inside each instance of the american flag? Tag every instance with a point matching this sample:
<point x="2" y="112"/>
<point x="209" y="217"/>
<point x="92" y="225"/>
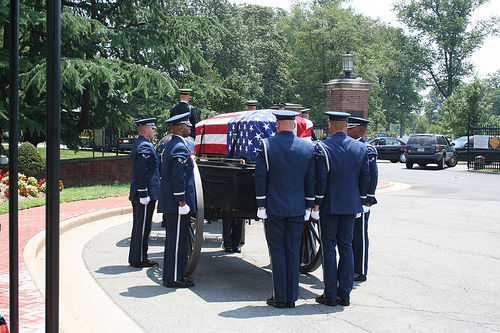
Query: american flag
<point x="246" y="128"/>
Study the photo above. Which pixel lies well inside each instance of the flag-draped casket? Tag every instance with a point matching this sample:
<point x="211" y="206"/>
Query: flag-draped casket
<point x="239" y="133"/>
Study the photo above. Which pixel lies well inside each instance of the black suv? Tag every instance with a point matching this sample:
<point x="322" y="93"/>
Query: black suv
<point x="430" y="148"/>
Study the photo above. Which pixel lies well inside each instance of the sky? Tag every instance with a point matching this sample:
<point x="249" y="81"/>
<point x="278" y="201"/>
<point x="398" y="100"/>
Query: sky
<point x="486" y="59"/>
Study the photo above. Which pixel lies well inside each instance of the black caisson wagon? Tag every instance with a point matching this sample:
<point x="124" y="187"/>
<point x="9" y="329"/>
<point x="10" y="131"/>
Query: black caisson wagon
<point x="224" y="177"/>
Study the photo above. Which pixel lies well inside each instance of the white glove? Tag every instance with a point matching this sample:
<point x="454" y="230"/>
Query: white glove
<point x="145" y="200"/>
<point x="358" y="215"/>
<point x="183" y="210"/>
<point x="315" y="214"/>
<point x="366" y="209"/>
<point x="261" y="213"/>
<point x="308" y="215"/>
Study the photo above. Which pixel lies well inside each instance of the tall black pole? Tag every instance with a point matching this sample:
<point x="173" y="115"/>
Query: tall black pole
<point x="13" y="167"/>
<point x="53" y="163"/>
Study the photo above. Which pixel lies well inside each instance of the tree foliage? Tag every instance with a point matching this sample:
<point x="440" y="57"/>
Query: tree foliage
<point x="468" y="104"/>
<point x="126" y="59"/>
<point x="444" y="28"/>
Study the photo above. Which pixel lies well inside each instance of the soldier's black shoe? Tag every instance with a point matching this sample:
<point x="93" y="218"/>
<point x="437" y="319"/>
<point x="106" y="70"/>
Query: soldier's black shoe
<point x="360" y="278"/>
<point x="145" y="263"/>
<point x="343" y="302"/>
<point x="183" y="283"/>
<point x="290" y="305"/>
<point x="236" y="250"/>
<point x="322" y="300"/>
<point x="228" y="250"/>
<point x="271" y="301"/>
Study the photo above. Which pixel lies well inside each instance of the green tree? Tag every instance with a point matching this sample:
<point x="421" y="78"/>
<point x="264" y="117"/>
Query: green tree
<point x="468" y="104"/>
<point x="444" y="29"/>
<point x="319" y="33"/>
<point x="120" y="60"/>
<point x="493" y="83"/>
<point x="401" y="82"/>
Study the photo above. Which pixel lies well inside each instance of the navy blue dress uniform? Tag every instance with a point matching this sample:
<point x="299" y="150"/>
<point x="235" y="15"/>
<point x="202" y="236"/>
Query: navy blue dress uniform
<point x="284" y="185"/>
<point x="177" y="185"/>
<point x="360" y="239"/>
<point x="231" y="234"/>
<point x="184" y="107"/>
<point x="342" y="176"/>
<point x="145" y="184"/>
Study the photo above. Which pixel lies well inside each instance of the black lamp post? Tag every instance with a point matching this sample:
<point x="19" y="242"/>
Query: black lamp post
<point x="347" y="65"/>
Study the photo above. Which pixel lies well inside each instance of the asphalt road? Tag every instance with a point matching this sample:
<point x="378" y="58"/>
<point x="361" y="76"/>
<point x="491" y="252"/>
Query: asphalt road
<point x="434" y="266"/>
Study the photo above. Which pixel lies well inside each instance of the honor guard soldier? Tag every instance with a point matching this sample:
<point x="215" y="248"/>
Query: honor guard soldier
<point x="144" y="191"/>
<point x="177" y="200"/>
<point x="342" y="176"/>
<point x="183" y="107"/>
<point x="252" y="105"/>
<point x="284" y="187"/>
<point x="281" y="106"/>
<point x="232" y="230"/>
<point x="304" y="113"/>
<point x="356" y="129"/>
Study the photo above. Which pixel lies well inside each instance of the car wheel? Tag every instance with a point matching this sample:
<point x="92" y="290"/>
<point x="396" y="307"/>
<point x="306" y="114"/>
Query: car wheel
<point x="409" y="165"/>
<point x="441" y="163"/>
<point x="394" y="161"/>
<point x="453" y="161"/>
<point x="402" y="158"/>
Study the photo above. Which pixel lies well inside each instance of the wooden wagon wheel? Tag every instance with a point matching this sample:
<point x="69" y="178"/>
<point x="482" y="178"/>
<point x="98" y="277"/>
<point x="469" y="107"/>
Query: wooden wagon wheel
<point x="310" y="247"/>
<point x="195" y="230"/>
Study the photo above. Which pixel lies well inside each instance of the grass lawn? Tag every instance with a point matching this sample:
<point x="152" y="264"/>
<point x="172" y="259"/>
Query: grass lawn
<point x="74" y="194"/>
<point x="69" y="154"/>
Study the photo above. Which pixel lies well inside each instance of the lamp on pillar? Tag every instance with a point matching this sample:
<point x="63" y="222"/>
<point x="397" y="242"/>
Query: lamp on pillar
<point x="347" y="65"/>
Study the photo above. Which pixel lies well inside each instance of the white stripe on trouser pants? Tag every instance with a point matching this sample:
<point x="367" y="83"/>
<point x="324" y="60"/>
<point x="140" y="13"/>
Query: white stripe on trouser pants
<point x="363" y="254"/>
<point x="143" y="230"/>
<point x="177" y="246"/>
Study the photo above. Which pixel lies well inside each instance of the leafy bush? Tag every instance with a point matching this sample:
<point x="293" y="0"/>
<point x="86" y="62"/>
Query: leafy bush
<point x="31" y="162"/>
<point x="32" y="181"/>
<point x="28" y="187"/>
<point x="32" y="190"/>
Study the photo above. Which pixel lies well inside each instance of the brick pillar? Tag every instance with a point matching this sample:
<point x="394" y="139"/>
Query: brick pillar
<point x="348" y="95"/>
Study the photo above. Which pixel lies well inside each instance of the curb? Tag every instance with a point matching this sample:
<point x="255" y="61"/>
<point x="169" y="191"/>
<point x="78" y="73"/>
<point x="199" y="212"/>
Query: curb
<point x="83" y="305"/>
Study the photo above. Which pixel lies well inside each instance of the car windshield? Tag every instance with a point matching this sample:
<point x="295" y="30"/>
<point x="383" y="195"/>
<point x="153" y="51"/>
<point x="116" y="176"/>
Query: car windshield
<point x="422" y="140"/>
<point x="460" y="141"/>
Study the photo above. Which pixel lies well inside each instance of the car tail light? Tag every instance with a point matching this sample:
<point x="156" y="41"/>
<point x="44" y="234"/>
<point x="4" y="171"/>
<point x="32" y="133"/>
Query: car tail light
<point x="406" y="149"/>
<point x="438" y="149"/>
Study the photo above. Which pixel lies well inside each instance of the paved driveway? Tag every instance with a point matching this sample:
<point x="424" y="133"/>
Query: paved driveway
<point x="434" y="267"/>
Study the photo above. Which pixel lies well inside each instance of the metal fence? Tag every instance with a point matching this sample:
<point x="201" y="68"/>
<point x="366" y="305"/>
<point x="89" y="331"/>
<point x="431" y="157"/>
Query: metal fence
<point x="321" y="131"/>
<point x="483" y="152"/>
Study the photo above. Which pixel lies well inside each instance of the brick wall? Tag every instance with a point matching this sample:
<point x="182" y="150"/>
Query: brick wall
<point x="348" y="95"/>
<point x="95" y="171"/>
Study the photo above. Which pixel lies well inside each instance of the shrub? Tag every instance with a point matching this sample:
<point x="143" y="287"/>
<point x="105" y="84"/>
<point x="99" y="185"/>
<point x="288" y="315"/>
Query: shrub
<point x="32" y="190"/>
<point x="28" y="186"/>
<point x="23" y="191"/>
<point x="32" y="181"/>
<point x="31" y="162"/>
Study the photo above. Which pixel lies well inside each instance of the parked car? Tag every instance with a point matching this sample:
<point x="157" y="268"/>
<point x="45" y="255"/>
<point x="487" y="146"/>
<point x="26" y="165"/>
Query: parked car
<point x="125" y="144"/>
<point x="461" y="146"/>
<point x="467" y="152"/>
<point x="426" y="149"/>
<point x="392" y="149"/>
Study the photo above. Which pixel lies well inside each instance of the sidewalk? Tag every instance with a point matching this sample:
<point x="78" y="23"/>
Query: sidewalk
<point x="31" y="222"/>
